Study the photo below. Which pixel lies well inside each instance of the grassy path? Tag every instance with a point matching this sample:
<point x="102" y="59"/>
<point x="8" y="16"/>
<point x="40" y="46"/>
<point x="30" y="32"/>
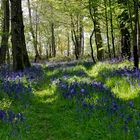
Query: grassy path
<point x="56" y="118"/>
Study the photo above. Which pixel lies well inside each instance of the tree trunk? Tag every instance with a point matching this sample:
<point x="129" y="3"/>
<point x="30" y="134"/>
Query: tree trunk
<point x="112" y="28"/>
<point x="5" y="31"/>
<point x="92" y="47"/>
<point x="139" y="37"/>
<point x="81" y="36"/>
<point x="125" y="42"/>
<point x="8" y="56"/>
<point x="74" y="39"/>
<point x="136" y="35"/>
<point x="53" y="40"/>
<point x="25" y="53"/>
<point x="47" y="54"/>
<point x="75" y="45"/>
<point x="98" y="40"/>
<point x="98" y="37"/>
<point x="91" y="15"/>
<point x="32" y="30"/>
<point x="107" y="30"/>
<point x="50" y="50"/>
<point x="68" y="49"/>
<point x="19" y="51"/>
<point x="40" y="44"/>
<point x="83" y="43"/>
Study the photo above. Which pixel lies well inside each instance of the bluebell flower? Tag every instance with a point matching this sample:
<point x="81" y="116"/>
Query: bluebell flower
<point x="114" y="106"/>
<point x="2" y="114"/>
<point x="11" y="116"/>
<point x="131" y="103"/>
<point x="82" y="90"/>
<point x="84" y="104"/>
<point x="72" y="91"/>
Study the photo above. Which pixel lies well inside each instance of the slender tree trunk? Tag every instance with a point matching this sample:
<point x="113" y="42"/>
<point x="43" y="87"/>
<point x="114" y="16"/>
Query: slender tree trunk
<point x="5" y="31"/>
<point x="130" y="16"/>
<point x="53" y="40"/>
<point x="8" y="56"/>
<point x="112" y="28"/>
<point x="47" y="54"/>
<point x="83" y="42"/>
<point x="25" y="53"/>
<point x="91" y="36"/>
<point x="91" y="15"/>
<point x="98" y="40"/>
<point x="50" y="50"/>
<point x="40" y="44"/>
<point x="139" y="31"/>
<point x="107" y="30"/>
<point x="68" y="49"/>
<point x="32" y="30"/>
<point x="78" y="34"/>
<point x="98" y="37"/>
<point x="125" y="42"/>
<point x="75" y="44"/>
<point x="136" y="35"/>
<point x="19" y="50"/>
<point x="81" y="36"/>
<point x="74" y="39"/>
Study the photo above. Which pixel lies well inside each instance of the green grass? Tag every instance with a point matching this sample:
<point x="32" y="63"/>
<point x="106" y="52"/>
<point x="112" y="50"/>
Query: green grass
<point x="51" y="117"/>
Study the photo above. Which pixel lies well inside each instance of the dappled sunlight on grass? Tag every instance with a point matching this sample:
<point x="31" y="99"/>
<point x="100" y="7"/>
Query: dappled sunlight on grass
<point x="47" y="95"/>
<point x="123" y="87"/>
<point x="5" y="103"/>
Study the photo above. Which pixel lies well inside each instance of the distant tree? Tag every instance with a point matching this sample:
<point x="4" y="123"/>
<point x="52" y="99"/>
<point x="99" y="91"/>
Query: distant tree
<point x="68" y="44"/>
<point x="37" y="56"/>
<point x="125" y="34"/>
<point x="107" y="28"/>
<point x="53" y="45"/>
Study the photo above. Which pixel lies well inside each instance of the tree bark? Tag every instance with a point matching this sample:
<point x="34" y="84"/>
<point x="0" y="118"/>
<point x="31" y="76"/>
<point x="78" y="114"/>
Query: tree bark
<point x="53" y="40"/>
<point x="5" y="31"/>
<point x="75" y="39"/>
<point x="68" y="49"/>
<point x="136" y="34"/>
<point x="98" y="37"/>
<point x="112" y="28"/>
<point x="19" y="51"/>
<point x="93" y="59"/>
<point x="98" y="40"/>
<point x="81" y="36"/>
<point x="107" y="30"/>
<point x="32" y="30"/>
<point x="91" y="15"/>
<point x="125" y="42"/>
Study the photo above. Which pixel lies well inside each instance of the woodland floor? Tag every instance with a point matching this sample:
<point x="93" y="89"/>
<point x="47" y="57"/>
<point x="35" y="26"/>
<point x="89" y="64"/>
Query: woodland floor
<point x="74" y="101"/>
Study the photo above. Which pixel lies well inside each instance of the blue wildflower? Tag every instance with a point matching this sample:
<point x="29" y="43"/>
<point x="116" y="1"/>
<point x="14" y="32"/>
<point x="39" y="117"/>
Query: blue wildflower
<point x="131" y="103"/>
<point x="82" y="90"/>
<point x="2" y="114"/>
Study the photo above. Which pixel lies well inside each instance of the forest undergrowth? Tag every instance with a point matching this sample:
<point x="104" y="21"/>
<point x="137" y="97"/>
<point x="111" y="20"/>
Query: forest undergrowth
<point x="71" y="101"/>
